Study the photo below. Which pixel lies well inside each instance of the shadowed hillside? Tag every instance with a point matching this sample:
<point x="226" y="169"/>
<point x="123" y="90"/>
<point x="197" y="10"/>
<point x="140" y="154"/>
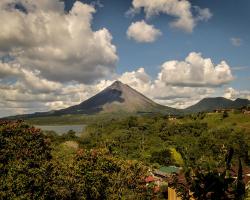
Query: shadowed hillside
<point x="210" y="104"/>
<point x="116" y="98"/>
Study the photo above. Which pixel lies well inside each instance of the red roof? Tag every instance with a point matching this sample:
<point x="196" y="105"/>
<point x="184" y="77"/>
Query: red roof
<point x="157" y="189"/>
<point x="149" y="179"/>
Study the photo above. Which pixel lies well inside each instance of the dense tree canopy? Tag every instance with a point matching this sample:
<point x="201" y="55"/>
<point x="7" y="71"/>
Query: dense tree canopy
<point x="109" y="160"/>
<point x="32" y="168"/>
<point x="24" y="162"/>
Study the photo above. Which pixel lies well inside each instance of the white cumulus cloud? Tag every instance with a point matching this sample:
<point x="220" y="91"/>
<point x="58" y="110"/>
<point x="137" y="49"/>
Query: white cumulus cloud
<point x="195" y="71"/>
<point x="178" y="84"/>
<point x="231" y="93"/>
<point x="62" y="46"/>
<point x="140" y="31"/>
<point x="180" y="9"/>
<point x="25" y="91"/>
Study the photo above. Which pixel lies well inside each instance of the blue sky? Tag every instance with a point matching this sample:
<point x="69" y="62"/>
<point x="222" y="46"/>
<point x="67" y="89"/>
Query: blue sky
<point x="55" y="54"/>
<point x="211" y="38"/>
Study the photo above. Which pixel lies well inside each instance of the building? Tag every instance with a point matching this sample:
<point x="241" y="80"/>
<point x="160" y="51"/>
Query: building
<point x="158" y="179"/>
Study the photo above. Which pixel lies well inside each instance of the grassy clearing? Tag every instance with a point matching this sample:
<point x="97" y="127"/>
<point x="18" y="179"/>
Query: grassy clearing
<point x="237" y="121"/>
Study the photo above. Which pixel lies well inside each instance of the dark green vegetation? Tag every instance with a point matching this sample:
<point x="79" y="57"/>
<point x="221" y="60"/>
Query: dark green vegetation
<point x="111" y="158"/>
<point x="35" y="166"/>
<point x="218" y="184"/>
<point x="194" y="140"/>
<point x="198" y="143"/>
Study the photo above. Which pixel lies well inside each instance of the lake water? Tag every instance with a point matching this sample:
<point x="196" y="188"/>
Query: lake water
<point x="61" y="129"/>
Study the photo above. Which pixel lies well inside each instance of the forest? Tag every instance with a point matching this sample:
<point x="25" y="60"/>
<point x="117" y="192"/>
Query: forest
<point x="113" y="158"/>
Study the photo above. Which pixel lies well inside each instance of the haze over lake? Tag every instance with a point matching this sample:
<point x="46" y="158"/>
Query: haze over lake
<point x="61" y="129"/>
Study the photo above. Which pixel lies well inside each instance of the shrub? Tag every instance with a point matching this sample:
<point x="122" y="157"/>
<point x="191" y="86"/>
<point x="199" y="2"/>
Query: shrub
<point x="24" y="166"/>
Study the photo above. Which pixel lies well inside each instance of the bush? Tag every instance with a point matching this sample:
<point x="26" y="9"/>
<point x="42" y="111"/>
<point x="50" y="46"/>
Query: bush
<point x="162" y="157"/>
<point x="225" y="115"/>
<point x="24" y="166"/>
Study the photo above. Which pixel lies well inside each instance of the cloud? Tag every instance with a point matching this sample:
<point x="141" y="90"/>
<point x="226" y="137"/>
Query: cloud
<point x="14" y="96"/>
<point x="178" y="96"/>
<point x="137" y="79"/>
<point x="22" y="97"/>
<point x="181" y="83"/>
<point x="203" y="14"/>
<point x="162" y="92"/>
<point x="97" y="3"/>
<point x="231" y="93"/>
<point x="26" y="91"/>
<point x="55" y="59"/>
<point x="195" y="71"/>
<point x="180" y="10"/>
<point x="239" y="68"/>
<point x="30" y="5"/>
<point x="142" y="32"/>
<point x="62" y="46"/>
<point x="236" y="41"/>
<point x="27" y="79"/>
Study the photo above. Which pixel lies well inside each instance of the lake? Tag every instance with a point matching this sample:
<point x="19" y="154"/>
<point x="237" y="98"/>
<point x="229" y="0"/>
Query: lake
<point x="61" y="129"/>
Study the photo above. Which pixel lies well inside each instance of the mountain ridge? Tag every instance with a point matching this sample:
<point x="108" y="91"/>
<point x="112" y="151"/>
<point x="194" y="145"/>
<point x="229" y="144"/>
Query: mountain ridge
<point x="213" y="103"/>
<point x="119" y="97"/>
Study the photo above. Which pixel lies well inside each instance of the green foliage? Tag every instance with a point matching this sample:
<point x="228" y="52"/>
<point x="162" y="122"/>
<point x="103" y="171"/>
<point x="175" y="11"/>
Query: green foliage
<point x="176" y="156"/>
<point x="193" y="128"/>
<point x="97" y="174"/>
<point x="70" y="135"/>
<point x="30" y="169"/>
<point x="212" y="184"/>
<point x="195" y="143"/>
<point x="224" y="115"/>
<point x="106" y="177"/>
<point x="162" y="157"/>
<point x="24" y="166"/>
<point x="133" y="138"/>
<point x="98" y="164"/>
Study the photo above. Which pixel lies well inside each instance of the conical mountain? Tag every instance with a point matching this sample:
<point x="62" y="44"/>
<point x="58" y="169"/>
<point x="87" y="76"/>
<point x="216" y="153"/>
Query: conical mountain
<point x="115" y="98"/>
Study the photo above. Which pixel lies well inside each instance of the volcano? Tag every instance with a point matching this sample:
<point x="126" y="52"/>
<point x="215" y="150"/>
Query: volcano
<point x="118" y="97"/>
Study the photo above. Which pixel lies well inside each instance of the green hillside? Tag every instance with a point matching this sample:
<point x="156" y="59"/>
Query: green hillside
<point x="211" y="104"/>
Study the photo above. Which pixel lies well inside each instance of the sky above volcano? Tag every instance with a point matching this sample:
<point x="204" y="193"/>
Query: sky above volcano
<point x="54" y="54"/>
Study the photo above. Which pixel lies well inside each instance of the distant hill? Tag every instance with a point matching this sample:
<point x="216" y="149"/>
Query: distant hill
<point x="210" y="104"/>
<point x="118" y="97"/>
